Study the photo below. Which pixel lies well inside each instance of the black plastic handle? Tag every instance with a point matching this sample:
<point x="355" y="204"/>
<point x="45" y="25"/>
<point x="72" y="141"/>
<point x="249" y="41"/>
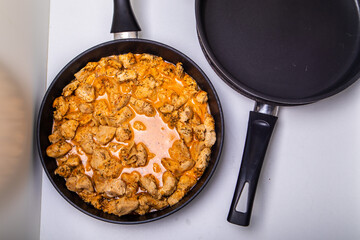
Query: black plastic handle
<point x="260" y="128"/>
<point x="124" y="19"/>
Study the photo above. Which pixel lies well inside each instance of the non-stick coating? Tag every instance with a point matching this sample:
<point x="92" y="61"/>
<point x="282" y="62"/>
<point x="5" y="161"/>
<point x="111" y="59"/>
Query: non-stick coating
<point x="45" y="121"/>
<point x="286" y="52"/>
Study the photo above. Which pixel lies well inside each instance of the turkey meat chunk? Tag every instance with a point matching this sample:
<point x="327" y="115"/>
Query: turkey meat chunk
<point x="105" y="134"/>
<point x="58" y="149"/>
<point x="102" y="162"/>
<point x="86" y="92"/>
<point x="68" y="129"/>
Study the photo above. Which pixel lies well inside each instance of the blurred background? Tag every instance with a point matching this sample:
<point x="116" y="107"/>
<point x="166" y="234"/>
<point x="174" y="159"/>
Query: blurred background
<point x="24" y="27"/>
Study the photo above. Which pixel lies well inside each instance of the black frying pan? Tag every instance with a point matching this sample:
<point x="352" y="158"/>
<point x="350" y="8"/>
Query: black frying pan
<point x="124" y="24"/>
<point x="277" y="52"/>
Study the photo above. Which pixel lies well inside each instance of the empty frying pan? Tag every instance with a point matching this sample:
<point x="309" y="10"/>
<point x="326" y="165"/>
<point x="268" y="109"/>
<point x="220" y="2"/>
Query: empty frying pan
<point x="277" y="52"/>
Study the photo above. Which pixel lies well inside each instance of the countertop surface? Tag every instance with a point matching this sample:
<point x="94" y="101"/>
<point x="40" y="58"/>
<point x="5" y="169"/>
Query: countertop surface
<point x="309" y="187"/>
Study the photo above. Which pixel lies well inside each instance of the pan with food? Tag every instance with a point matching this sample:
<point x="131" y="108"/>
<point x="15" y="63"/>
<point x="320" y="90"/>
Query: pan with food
<point x="130" y="130"/>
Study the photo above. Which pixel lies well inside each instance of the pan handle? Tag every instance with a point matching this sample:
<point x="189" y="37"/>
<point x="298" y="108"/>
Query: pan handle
<point x="124" y="23"/>
<point x="260" y="127"/>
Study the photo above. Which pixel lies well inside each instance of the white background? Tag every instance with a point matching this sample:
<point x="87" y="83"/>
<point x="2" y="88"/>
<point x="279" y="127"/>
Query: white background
<point x="309" y="187"/>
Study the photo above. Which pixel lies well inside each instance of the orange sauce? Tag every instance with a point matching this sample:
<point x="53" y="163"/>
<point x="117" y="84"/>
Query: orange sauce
<point x="158" y="138"/>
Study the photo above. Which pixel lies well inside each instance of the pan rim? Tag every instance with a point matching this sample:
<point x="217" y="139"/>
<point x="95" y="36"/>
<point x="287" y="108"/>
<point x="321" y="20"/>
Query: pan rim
<point x="216" y="157"/>
<point x="252" y="93"/>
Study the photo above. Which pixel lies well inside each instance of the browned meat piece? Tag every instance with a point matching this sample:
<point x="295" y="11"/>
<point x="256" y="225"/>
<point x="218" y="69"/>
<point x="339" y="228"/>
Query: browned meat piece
<point x="148" y="58"/>
<point x="74" y="103"/>
<point x="105" y="134"/>
<point x="85" y="92"/>
<point x="195" y="120"/>
<point x="123" y="133"/>
<point x="88" y="145"/>
<point x="125" y="114"/>
<point x="115" y="188"/>
<point x="171" y="165"/>
<point x="78" y="116"/>
<point x="184" y="185"/>
<point x="91" y="79"/>
<point x="185" y="131"/>
<point x="84" y="136"/>
<point x="56" y="136"/>
<point x="186" y="165"/>
<point x="99" y="86"/>
<point x="73" y="116"/>
<point x="202" y="161"/>
<point x="156" y="203"/>
<point x="179" y="151"/>
<point x="143" y="107"/>
<point x="102" y="162"/>
<point x="135" y="155"/>
<point x="110" y="187"/>
<point x="73" y="161"/>
<point x="127" y="60"/>
<point x="179" y="70"/>
<point x="86" y="71"/>
<point x="186" y="114"/>
<point x="143" y="206"/>
<point x="210" y="135"/>
<point x="148" y="182"/>
<point x="190" y="84"/>
<point x="147" y="202"/>
<point x="146" y="87"/>
<point x="126" y="75"/>
<point x="141" y="155"/>
<point x="199" y="131"/>
<point x="68" y="129"/>
<point x="79" y="182"/>
<point x="83" y="183"/>
<point x="111" y="72"/>
<point x="121" y="206"/>
<point x="132" y="182"/>
<point x="114" y="63"/>
<point x="168" y="70"/>
<point x="86" y="108"/>
<point x="63" y="171"/>
<point x="166" y="108"/>
<point x="118" y="100"/>
<point x="101" y="112"/>
<point x="169" y="184"/>
<point x="177" y="168"/>
<point x="71" y="183"/>
<point x="178" y="101"/>
<point x="171" y="118"/>
<point x="61" y="108"/>
<point x="93" y="198"/>
<point x="201" y="97"/>
<point x="196" y="148"/>
<point x="58" y="149"/>
<point x="139" y="126"/>
<point x="70" y="88"/>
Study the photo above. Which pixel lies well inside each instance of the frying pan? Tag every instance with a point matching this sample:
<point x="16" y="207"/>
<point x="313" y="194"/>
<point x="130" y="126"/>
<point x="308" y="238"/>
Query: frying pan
<point x="277" y="52"/>
<point x="124" y="26"/>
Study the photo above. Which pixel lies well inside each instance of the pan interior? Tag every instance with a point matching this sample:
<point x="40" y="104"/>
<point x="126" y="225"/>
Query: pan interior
<point x="281" y="49"/>
<point x="116" y="47"/>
